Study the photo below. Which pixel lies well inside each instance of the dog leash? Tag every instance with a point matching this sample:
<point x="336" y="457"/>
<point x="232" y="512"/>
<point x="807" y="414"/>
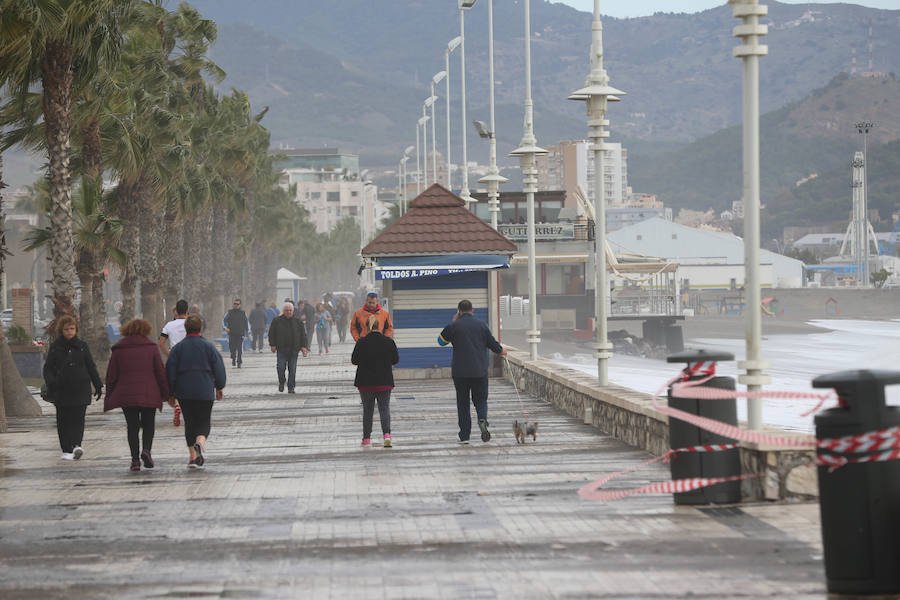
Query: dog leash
<point x="516" y="387"/>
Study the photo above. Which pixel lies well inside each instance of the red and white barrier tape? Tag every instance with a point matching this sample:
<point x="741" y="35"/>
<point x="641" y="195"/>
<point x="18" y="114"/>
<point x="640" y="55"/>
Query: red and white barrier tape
<point x="836" y="461"/>
<point x="870" y="441"/>
<point x="692" y="389"/>
<point x="590" y="491"/>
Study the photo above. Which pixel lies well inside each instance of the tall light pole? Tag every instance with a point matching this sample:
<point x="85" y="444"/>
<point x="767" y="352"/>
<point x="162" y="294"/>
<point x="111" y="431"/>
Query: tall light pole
<point x="597" y="93"/>
<point x="428" y="102"/>
<point x="434" y="81"/>
<point x="493" y="179"/>
<point x="463" y="6"/>
<point x="420" y="124"/>
<point x="864" y="127"/>
<point x="750" y="30"/>
<point x="526" y="152"/>
<point x="405" y="198"/>
<point x="451" y="46"/>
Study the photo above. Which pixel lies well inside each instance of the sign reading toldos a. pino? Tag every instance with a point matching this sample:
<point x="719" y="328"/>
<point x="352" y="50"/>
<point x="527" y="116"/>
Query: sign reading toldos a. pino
<point x="542" y="231"/>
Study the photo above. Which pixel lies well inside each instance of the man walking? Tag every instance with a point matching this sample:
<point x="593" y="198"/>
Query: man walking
<point x="287" y="338"/>
<point x="258" y="326"/>
<point x="236" y="326"/>
<point x="358" y="326"/>
<point x="471" y="340"/>
<point x="173" y="331"/>
<point x="306" y="312"/>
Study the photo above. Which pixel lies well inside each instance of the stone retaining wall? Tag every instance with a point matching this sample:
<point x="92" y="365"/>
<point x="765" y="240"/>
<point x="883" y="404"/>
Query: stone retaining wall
<point x="628" y="416"/>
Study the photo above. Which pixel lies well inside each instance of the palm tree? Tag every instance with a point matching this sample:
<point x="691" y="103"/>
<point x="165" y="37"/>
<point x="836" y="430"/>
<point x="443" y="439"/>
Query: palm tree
<point x="56" y="43"/>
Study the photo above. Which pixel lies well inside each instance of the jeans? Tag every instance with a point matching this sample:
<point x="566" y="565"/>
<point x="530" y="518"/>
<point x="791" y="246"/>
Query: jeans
<point x="287" y="358"/>
<point x="197" y="415"/>
<point x="323" y="338"/>
<point x="236" y="346"/>
<point x="475" y="388"/>
<point x="70" y="426"/>
<point x="257" y="343"/>
<point x="384" y="411"/>
<point x="137" y="418"/>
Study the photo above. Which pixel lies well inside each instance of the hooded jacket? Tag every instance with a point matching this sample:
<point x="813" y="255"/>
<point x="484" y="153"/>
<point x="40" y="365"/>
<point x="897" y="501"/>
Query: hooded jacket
<point x="69" y="372"/>
<point x="135" y="375"/>
<point x="358" y="327"/>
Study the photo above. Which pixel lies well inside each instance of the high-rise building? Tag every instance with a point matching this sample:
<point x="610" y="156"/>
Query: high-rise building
<point x="569" y="165"/>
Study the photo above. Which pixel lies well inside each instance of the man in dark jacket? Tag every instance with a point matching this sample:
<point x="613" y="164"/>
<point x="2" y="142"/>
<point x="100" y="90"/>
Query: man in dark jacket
<point x="287" y="337"/>
<point x="258" y="326"/>
<point x="236" y="326"/>
<point x="471" y="340"/>
<point x="306" y="312"/>
<point x="196" y="376"/>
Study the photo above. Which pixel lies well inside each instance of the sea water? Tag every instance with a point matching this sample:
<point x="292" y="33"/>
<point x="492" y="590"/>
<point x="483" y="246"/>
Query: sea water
<point x="795" y="361"/>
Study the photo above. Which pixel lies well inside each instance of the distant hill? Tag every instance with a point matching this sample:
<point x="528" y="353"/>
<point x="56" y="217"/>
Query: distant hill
<point x="354" y="72"/>
<point x="813" y="136"/>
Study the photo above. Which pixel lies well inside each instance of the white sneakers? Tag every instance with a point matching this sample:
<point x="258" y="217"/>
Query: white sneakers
<point x="77" y="452"/>
<point x="67" y="456"/>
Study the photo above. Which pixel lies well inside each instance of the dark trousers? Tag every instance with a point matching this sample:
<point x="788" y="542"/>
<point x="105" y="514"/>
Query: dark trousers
<point x="384" y="411"/>
<point x="137" y="418"/>
<point x="236" y="346"/>
<point x="70" y="426"/>
<point x="476" y="389"/>
<point x="287" y="358"/>
<point x="257" y="342"/>
<point x="196" y="415"/>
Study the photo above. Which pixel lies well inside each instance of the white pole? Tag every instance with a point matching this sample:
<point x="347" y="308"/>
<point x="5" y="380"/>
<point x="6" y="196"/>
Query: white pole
<point x="434" y="172"/>
<point x="418" y="172"/>
<point x="447" y="103"/>
<point x="494" y="178"/>
<point x="425" y="142"/>
<point x="749" y="51"/>
<point x="464" y="193"/>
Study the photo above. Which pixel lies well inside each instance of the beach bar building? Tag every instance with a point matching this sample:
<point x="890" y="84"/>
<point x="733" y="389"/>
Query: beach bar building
<point x="435" y="255"/>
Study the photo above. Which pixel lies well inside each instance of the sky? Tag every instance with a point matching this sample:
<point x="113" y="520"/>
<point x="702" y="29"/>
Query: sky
<point x="639" y="8"/>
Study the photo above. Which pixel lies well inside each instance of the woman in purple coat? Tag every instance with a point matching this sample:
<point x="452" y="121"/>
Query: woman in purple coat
<point x="136" y="383"/>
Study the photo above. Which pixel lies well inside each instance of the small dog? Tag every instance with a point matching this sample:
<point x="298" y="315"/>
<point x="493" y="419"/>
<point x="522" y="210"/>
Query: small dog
<point x="524" y="429"/>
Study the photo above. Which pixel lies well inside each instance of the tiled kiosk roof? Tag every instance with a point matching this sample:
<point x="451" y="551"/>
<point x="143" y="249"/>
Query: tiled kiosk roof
<point x="438" y="223"/>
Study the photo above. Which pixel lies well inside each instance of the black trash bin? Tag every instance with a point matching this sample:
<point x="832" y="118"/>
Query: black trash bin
<point x="723" y="463"/>
<point x="860" y="502"/>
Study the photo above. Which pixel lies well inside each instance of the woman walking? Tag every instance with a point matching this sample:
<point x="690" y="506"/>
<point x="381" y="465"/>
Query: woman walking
<point x="196" y="376"/>
<point x="343" y="318"/>
<point x="136" y="383"/>
<point x="375" y="355"/>
<point x="323" y="327"/>
<point x="69" y="373"/>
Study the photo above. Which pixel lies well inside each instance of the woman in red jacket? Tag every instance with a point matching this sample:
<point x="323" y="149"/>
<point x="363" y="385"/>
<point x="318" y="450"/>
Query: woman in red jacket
<point x="136" y="383"/>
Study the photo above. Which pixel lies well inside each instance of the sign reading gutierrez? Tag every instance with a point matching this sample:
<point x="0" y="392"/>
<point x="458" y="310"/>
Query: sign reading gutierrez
<point x="542" y="231"/>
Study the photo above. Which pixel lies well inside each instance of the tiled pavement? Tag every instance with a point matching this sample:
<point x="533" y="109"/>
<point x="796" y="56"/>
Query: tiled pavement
<point x="290" y="506"/>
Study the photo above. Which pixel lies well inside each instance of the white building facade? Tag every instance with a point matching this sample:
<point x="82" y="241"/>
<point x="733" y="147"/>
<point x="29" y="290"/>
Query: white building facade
<point x="330" y="196"/>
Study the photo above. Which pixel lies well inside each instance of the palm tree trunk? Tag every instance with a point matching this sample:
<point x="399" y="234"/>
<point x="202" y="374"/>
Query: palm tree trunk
<point x="152" y="229"/>
<point x="128" y="209"/>
<point x="100" y="339"/>
<point x="93" y="303"/>
<point x="56" y="78"/>
<point x="83" y="267"/>
<point x="172" y="258"/>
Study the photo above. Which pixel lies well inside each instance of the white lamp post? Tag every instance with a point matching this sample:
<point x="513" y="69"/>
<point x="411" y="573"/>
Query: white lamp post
<point x="428" y="102"/>
<point x="493" y="179"/>
<point x="405" y="198"/>
<point x="597" y="93"/>
<point x="864" y="127"/>
<point x="463" y="6"/>
<point x="526" y="152"/>
<point x="749" y="11"/>
<point x="451" y="46"/>
<point x="421" y="124"/>
<point x="434" y="81"/>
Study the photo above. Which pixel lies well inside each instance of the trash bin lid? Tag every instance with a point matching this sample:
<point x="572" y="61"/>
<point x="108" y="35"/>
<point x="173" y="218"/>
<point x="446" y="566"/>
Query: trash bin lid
<point x="844" y="379"/>
<point x="693" y="356"/>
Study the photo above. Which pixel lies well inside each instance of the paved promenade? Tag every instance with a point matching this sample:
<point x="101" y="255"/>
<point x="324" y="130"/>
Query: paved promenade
<point x="290" y="506"/>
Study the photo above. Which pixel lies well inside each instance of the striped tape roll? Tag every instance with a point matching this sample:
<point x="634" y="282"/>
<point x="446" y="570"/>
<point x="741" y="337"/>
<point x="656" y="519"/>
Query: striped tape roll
<point x="678" y="486"/>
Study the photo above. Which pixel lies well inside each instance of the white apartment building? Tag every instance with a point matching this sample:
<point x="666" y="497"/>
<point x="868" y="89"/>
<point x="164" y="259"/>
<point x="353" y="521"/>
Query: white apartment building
<point x="571" y="164"/>
<point x="330" y="196"/>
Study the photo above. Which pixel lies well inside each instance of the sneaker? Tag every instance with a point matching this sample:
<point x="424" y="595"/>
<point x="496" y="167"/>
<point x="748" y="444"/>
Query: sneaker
<point x="135" y="464"/>
<point x="367" y="443"/>
<point x="239" y="365"/>
<point x="291" y="391"/>
<point x="459" y="440"/>
<point x="176" y="420"/>
<point x="67" y="456"/>
<point x="485" y="434"/>
<point x="147" y="459"/>
<point x="233" y="362"/>
<point x="192" y="464"/>
<point x="77" y="452"/>
<point x="199" y="450"/>
<point x="387" y="441"/>
<point x="280" y="387"/>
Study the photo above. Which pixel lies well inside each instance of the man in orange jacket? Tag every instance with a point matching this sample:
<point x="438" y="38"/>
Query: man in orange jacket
<point x="358" y="327"/>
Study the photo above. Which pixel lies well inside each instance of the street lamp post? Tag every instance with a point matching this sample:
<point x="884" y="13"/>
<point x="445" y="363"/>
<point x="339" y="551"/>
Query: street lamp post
<point x="424" y="120"/>
<point x="463" y="6"/>
<point x="404" y="198"/>
<point x="434" y="81"/>
<point x="419" y="124"/>
<point x="451" y="46"/>
<point x="493" y="179"/>
<point x="864" y="127"/>
<point x="526" y="152"/>
<point x="750" y="30"/>
<point x="597" y="93"/>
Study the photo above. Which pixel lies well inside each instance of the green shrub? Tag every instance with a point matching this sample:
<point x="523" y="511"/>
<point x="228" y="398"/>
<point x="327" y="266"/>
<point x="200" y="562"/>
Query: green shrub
<point x="17" y="335"/>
